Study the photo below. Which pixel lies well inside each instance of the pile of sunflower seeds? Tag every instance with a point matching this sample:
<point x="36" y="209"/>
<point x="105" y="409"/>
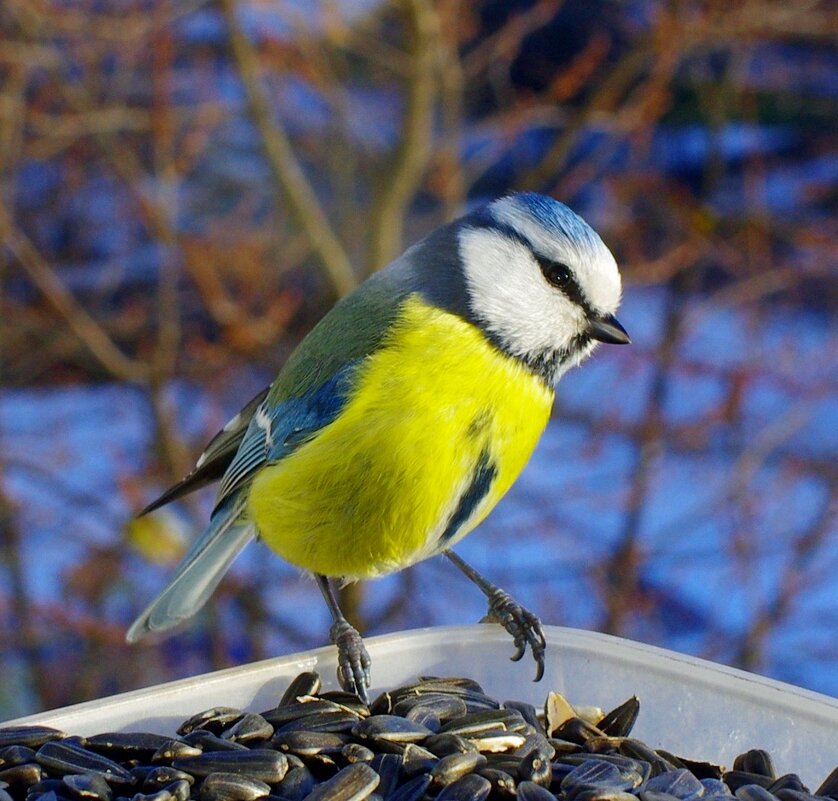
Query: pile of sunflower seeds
<point x="439" y="738"/>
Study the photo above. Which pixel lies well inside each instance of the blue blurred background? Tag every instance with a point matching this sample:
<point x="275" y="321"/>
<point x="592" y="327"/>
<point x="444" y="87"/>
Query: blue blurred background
<point x="186" y="186"/>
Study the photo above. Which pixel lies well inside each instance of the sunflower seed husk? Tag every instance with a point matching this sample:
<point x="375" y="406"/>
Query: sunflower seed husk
<point x="355" y="752"/>
<point x="715" y="787"/>
<point x="88" y="786"/>
<point x="485" y="720"/>
<point x="502" y="783"/>
<point x="349" y="702"/>
<point x="126" y="745"/>
<point x="298" y="710"/>
<point x="597" y="773"/>
<point x="296" y="784"/>
<point x="536" y="742"/>
<point x="473" y="787"/>
<point x="755" y="761"/>
<point x="536" y="767"/>
<point x="640" y="751"/>
<point x="797" y="795"/>
<point x="180" y="789"/>
<point x="754" y="792"/>
<point x="445" y="707"/>
<point x="13" y="755"/>
<point x="829" y="787"/>
<point x="160" y="795"/>
<point x="444" y="744"/>
<point x="249" y="728"/>
<point x="222" y="786"/>
<point x="260" y="763"/>
<point x="790" y="781"/>
<point x="557" y="710"/>
<point x="416" y="759"/>
<point x="529" y="713"/>
<point x="215" y="720"/>
<point x="62" y="757"/>
<point x="332" y="720"/>
<point x="206" y="741"/>
<point x="390" y="728"/>
<point x="739" y="778"/>
<point x="308" y="743"/>
<point x="22" y="775"/>
<point x="531" y="791"/>
<point x="307" y="683"/>
<point x="578" y="730"/>
<point x="701" y="770"/>
<point x="159" y="777"/>
<point x="620" y="721"/>
<point x="43" y="786"/>
<point x="455" y="766"/>
<point x="388" y="767"/>
<point x="175" y="749"/>
<point x="352" y="783"/>
<point x="140" y="772"/>
<point x="424" y="717"/>
<point x="30" y="736"/>
<point x="411" y="790"/>
<point x="497" y="740"/>
<point x="679" y="783"/>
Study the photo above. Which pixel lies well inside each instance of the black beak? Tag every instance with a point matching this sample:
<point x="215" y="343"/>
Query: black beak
<point x="607" y="329"/>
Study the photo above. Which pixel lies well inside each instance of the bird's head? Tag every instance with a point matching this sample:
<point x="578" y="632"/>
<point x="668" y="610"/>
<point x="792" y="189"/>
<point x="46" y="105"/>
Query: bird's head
<point x="539" y="281"/>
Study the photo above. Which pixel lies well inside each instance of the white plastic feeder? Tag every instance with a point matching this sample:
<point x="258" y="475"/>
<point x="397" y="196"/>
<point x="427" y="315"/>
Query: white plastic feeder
<point x="688" y="706"/>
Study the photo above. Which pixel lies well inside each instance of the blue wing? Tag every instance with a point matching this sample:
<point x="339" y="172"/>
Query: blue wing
<point x="275" y="430"/>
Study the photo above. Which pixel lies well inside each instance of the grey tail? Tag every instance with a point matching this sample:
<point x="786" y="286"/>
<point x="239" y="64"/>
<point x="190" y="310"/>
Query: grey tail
<point x="200" y="572"/>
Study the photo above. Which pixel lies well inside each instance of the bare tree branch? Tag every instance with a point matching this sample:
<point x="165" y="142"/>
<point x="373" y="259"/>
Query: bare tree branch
<point x="91" y="334"/>
<point x="402" y="178"/>
<point x="287" y="171"/>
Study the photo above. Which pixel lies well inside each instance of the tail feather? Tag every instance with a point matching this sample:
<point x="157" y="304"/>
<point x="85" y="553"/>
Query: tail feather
<point x="199" y="573"/>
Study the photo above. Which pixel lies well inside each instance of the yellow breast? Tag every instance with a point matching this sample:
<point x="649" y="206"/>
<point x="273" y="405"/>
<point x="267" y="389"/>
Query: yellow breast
<point x="376" y="489"/>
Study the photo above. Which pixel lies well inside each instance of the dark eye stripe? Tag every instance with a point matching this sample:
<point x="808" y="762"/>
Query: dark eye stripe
<point x="570" y="288"/>
<point x="573" y="291"/>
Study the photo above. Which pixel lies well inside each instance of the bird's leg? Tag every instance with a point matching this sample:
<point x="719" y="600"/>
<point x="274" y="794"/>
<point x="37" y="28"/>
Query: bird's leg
<point x="353" y="659"/>
<point x="522" y="624"/>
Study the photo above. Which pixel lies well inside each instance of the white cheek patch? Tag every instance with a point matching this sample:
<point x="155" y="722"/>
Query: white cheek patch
<point x="510" y="296"/>
<point x="592" y="262"/>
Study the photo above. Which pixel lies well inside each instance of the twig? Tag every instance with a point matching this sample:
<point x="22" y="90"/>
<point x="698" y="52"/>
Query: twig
<point x="91" y="334"/>
<point x="402" y="178"/>
<point x="611" y="88"/>
<point x="452" y="88"/>
<point x="287" y="171"/>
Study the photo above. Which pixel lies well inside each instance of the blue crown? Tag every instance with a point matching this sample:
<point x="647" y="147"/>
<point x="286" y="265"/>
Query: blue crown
<point x="552" y="214"/>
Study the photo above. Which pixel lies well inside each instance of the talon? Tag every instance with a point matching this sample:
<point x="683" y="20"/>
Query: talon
<point x="353" y="660"/>
<point x="522" y="624"/>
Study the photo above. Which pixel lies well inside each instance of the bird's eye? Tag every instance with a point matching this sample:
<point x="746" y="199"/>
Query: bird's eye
<point x="556" y="273"/>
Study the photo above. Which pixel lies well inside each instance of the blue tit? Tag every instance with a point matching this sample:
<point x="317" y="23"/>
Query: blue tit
<point x="405" y="415"/>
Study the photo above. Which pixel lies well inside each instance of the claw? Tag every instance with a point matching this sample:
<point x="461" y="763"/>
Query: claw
<point x="522" y="624"/>
<point x="353" y="660"/>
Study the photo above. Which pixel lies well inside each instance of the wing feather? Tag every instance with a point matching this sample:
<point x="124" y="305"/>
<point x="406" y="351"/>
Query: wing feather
<point x="216" y="458"/>
<point x="276" y="431"/>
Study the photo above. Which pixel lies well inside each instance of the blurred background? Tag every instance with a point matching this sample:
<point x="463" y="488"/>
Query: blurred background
<point x="186" y="186"/>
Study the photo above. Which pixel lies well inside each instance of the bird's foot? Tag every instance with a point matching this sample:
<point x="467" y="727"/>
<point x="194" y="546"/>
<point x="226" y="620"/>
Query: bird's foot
<point x="353" y="660"/>
<point x="522" y="624"/>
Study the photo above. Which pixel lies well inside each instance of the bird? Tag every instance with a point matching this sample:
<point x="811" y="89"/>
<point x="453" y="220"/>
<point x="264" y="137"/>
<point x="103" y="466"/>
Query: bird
<point x="404" y="416"/>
